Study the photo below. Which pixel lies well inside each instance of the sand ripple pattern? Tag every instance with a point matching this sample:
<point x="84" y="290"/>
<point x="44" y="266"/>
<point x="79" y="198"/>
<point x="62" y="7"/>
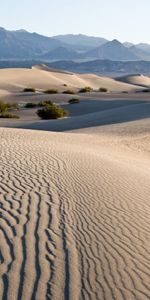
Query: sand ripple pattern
<point x="74" y="221"/>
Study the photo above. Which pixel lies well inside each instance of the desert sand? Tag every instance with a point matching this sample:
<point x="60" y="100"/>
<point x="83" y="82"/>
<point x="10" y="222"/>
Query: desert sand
<point x="41" y="77"/>
<point x="75" y="201"/>
<point x="138" y="79"/>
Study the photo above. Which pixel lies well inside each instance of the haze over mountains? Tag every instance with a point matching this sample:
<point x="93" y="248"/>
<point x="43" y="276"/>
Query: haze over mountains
<point x="21" y="44"/>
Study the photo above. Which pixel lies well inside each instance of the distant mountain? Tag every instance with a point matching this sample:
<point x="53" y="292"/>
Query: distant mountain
<point x="140" y="53"/>
<point x="104" y="67"/>
<point x="10" y="47"/>
<point x="60" y="53"/>
<point x="37" y="41"/>
<point x="128" y="44"/>
<point x="80" y="41"/>
<point x="144" y="47"/>
<point x="101" y="67"/>
<point x="22" y="44"/>
<point x="113" y="50"/>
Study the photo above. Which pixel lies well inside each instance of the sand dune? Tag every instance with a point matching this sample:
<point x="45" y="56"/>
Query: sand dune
<point x="109" y="83"/>
<point x="138" y="79"/>
<point x="40" y="77"/>
<point x="75" y="217"/>
<point x="48" y="69"/>
<point x="75" y="204"/>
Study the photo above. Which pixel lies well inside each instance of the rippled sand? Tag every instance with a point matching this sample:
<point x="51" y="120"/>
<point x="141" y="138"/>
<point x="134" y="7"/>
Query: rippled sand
<point x="74" y="215"/>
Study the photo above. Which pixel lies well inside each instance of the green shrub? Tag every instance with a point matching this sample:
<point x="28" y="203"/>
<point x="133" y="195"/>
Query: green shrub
<point x="103" y="90"/>
<point x="52" y="112"/>
<point x="51" y="91"/>
<point x="30" y="105"/>
<point x="8" y="115"/>
<point x="3" y="107"/>
<point x="69" y="92"/>
<point x="14" y="106"/>
<point x="86" y="89"/>
<point x="74" y="100"/>
<point x="45" y="103"/>
<point x="32" y="90"/>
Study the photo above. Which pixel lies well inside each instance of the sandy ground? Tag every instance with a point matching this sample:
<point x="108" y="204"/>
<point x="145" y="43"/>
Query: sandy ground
<point x="15" y="80"/>
<point x="85" y="115"/>
<point x="74" y="216"/>
<point x="75" y="204"/>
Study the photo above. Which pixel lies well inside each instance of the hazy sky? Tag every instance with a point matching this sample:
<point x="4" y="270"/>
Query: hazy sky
<point x="121" y="19"/>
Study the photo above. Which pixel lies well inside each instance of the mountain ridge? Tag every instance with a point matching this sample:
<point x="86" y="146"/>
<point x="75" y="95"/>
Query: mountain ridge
<point x="21" y="44"/>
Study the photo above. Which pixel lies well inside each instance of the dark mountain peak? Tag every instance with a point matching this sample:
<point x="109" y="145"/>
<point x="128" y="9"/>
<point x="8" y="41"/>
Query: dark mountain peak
<point x="113" y="50"/>
<point x="115" y="41"/>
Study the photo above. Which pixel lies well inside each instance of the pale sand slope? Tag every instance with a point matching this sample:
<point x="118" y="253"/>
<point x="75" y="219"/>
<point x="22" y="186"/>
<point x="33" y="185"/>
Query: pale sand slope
<point x="15" y="80"/>
<point x="3" y="92"/>
<point x="48" y="69"/>
<point x="138" y="79"/>
<point x="75" y="216"/>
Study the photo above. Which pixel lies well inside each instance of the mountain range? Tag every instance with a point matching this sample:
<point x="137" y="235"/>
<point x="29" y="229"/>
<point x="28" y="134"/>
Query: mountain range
<point x="21" y="44"/>
<point x="104" y="67"/>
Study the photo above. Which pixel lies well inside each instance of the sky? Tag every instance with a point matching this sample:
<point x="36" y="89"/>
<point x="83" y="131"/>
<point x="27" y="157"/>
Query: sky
<point x="125" y="20"/>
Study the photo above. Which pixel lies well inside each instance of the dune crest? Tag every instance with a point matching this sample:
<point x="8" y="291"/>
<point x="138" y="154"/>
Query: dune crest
<point x="42" y="77"/>
<point x="44" y="67"/>
<point x="137" y="79"/>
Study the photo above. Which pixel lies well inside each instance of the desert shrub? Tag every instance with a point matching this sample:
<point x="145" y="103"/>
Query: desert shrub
<point x="8" y="115"/>
<point x="29" y="89"/>
<point x="125" y="92"/>
<point x="86" y="89"/>
<point x="69" y="92"/>
<point x="12" y="106"/>
<point x="52" y="112"/>
<point x="103" y="90"/>
<point x="45" y="103"/>
<point x="51" y="91"/>
<point x="74" y="100"/>
<point x="30" y="105"/>
<point x="3" y="107"/>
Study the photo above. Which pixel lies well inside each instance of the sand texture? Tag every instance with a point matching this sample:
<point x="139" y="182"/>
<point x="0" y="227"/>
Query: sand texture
<point x="74" y="215"/>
